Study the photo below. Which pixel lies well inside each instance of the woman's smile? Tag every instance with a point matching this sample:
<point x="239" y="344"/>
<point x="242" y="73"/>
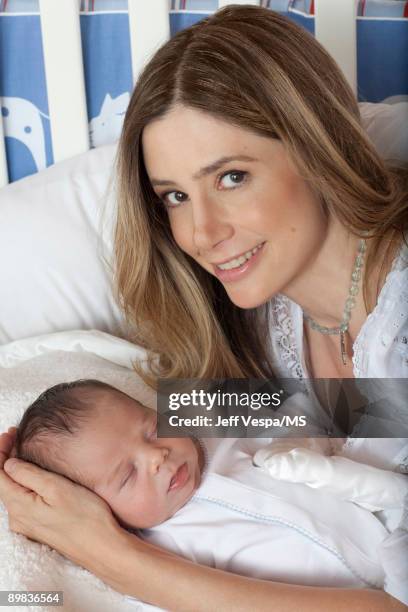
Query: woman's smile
<point x="234" y="269"/>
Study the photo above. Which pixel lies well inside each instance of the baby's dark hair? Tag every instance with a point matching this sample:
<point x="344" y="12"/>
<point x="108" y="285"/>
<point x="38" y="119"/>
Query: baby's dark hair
<point x="55" y="415"/>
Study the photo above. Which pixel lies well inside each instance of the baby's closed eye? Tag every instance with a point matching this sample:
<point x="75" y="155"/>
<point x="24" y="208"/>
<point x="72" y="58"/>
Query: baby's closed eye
<point x="129" y="476"/>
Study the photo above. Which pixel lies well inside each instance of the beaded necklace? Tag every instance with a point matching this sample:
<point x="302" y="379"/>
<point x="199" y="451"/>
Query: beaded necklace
<point x="342" y="329"/>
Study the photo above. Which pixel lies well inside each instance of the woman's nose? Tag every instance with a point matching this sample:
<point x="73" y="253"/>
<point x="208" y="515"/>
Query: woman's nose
<point x="211" y="224"/>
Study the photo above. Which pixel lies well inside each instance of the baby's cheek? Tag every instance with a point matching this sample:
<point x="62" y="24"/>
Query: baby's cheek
<point x="137" y="511"/>
<point x="125" y="510"/>
<point x="188" y="448"/>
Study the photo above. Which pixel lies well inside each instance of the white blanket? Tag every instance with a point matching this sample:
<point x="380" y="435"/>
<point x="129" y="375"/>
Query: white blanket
<point x="242" y="520"/>
<point x="26" y="369"/>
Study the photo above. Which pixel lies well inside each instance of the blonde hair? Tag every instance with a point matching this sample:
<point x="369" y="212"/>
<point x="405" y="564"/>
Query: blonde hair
<point x="254" y="69"/>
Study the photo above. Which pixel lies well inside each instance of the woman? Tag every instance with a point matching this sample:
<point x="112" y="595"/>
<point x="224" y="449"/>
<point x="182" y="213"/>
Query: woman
<point x="244" y="163"/>
<point x="325" y="214"/>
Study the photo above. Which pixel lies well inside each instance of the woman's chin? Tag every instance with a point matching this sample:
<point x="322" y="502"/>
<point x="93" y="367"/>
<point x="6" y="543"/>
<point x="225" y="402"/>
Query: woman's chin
<point x="247" y="300"/>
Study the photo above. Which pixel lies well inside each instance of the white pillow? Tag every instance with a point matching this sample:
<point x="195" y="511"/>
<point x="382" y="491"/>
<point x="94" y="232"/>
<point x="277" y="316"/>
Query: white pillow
<point x="53" y="276"/>
<point x="387" y="127"/>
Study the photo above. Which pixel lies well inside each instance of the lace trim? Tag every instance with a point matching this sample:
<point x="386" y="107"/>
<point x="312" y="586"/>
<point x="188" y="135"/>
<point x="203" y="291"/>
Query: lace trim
<point x="400" y="467"/>
<point x="403" y="466"/>
<point x="360" y="349"/>
<point x="285" y="337"/>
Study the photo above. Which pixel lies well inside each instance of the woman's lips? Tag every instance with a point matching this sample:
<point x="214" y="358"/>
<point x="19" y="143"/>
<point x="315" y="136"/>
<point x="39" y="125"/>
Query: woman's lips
<point x="180" y="478"/>
<point x="226" y="276"/>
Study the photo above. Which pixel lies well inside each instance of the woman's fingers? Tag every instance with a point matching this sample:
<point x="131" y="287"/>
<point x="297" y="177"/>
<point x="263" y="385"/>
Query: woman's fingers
<point x="45" y="484"/>
<point x="12" y="432"/>
<point x="50" y="508"/>
<point x="10" y="490"/>
<point x="6" y="445"/>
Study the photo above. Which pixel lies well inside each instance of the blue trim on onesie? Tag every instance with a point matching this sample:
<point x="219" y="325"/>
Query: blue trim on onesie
<point x="268" y="519"/>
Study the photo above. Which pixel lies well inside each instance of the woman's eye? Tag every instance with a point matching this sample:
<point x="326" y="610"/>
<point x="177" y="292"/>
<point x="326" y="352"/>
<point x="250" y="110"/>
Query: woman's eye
<point x="232" y="179"/>
<point x="174" y="198"/>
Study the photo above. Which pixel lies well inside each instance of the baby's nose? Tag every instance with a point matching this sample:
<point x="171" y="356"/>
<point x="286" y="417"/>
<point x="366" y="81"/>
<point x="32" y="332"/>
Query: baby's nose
<point x="157" y="457"/>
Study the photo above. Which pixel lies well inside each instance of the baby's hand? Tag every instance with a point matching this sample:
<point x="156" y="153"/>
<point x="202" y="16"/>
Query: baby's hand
<point x="367" y="486"/>
<point x="295" y="465"/>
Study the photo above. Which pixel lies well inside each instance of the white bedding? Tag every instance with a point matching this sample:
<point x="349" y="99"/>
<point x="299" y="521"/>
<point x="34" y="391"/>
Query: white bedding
<point x="27" y="368"/>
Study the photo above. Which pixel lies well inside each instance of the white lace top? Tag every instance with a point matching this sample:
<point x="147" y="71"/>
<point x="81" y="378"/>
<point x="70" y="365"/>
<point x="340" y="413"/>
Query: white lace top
<point x="380" y="351"/>
<point x="381" y="347"/>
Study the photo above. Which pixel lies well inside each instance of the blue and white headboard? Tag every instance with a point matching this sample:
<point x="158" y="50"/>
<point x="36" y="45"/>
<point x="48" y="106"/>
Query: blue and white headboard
<point x="67" y="67"/>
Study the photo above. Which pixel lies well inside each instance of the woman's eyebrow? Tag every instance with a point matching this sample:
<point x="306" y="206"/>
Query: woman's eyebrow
<point x="206" y="170"/>
<point x="219" y="163"/>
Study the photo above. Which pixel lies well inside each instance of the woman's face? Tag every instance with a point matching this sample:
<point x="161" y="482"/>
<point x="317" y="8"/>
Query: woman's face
<point x="236" y="203"/>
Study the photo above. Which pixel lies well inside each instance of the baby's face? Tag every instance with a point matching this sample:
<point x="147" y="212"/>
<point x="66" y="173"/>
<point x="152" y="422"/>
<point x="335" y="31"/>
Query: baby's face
<point x="144" y="479"/>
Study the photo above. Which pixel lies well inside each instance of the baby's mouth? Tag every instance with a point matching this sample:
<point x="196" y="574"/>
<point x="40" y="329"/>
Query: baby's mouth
<point x="180" y="478"/>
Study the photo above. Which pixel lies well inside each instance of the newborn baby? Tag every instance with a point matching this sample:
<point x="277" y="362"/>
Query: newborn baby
<point x="238" y="518"/>
<point x="96" y="435"/>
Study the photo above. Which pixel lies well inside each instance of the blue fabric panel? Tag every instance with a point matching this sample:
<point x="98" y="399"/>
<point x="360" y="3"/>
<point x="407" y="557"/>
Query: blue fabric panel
<point x="180" y="21"/>
<point x="382" y="72"/>
<point x="106" y="53"/>
<point x="302" y="20"/>
<point x="110" y="5"/>
<point x="108" y="78"/>
<point x="301" y="5"/>
<point x="24" y="104"/>
<point x="281" y="6"/>
<point x="382" y="59"/>
<point x="195" y="5"/>
<point x="389" y="8"/>
<point x="24" y="6"/>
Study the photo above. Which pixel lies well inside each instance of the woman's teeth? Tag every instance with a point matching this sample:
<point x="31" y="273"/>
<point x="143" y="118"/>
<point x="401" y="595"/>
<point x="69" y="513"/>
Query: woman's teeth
<point x="239" y="261"/>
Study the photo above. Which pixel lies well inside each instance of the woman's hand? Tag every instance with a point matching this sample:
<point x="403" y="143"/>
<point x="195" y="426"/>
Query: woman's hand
<point x="53" y="510"/>
<point x="68" y="517"/>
